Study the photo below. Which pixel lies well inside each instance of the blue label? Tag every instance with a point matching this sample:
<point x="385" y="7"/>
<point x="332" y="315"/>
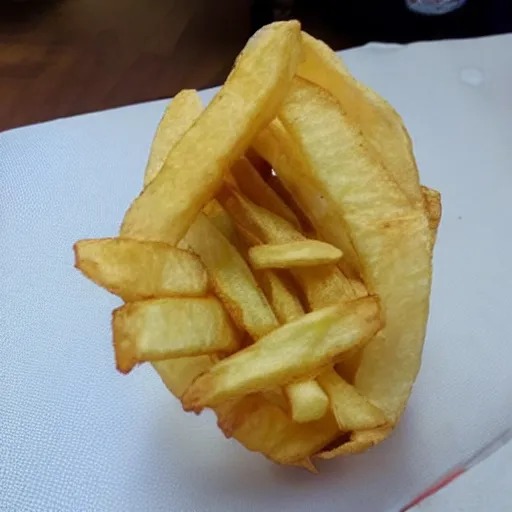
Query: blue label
<point x="434" y="7"/>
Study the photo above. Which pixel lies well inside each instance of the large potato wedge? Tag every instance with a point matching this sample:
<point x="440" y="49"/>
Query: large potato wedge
<point x="179" y="115"/>
<point x="381" y="126"/>
<point x="390" y="236"/>
<point x="246" y="103"/>
<point x="137" y="270"/>
<point x="157" y="329"/>
<point x="297" y="350"/>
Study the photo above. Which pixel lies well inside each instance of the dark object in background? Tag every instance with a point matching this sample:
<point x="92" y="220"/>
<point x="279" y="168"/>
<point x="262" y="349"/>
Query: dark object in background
<point x="361" y="21"/>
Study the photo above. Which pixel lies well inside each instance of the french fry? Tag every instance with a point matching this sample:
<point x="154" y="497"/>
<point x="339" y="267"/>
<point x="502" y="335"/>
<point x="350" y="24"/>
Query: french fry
<point x="359" y="442"/>
<point x="281" y="295"/>
<point x="434" y="210"/>
<point x="230" y="260"/>
<point x="391" y="238"/>
<point x="159" y="329"/>
<point x="260" y="164"/>
<point x="137" y="270"/>
<point x="351" y="410"/>
<point x="231" y="278"/>
<point x="252" y="185"/>
<point x="220" y="218"/>
<point x="275" y="144"/>
<point x="308" y="402"/>
<point x="266" y="428"/>
<point x="381" y="126"/>
<point x="178" y="374"/>
<point x="249" y="99"/>
<point x="179" y="115"/>
<point x="304" y="253"/>
<point x="305" y="224"/>
<point x="324" y="285"/>
<point x="295" y="351"/>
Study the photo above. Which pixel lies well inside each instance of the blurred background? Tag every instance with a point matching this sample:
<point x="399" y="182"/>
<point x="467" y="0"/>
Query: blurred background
<point x="66" y="57"/>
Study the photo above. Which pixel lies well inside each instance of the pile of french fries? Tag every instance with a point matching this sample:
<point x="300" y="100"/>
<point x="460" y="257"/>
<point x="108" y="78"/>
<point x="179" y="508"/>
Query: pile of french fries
<point x="276" y="266"/>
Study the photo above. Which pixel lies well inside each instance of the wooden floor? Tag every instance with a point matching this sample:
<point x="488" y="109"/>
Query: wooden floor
<point x="65" y="57"/>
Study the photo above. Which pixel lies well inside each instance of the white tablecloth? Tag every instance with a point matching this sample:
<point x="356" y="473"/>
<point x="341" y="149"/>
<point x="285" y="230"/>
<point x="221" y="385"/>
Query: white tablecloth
<point x="77" y="436"/>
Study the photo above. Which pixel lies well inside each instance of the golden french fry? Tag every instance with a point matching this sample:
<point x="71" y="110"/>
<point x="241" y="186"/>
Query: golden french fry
<point x="359" y="442"/>
<point x="279" y="188"/>
<point x="351" y="410"/>
<point x="281" y="295"/>
<point x="137" y="270"/>
<point x="304" y="253"/>
<point x="382" y="127"/>
<point x="252" y="185"/>
<point x="433" y="208"/>
<point x="295" y="351"/>
<point x="260" y="164"/>
<point x="391" y="239"/>
<point x="231" y="278"/>
<point x="220" y="218"/>
<point x="178" y="374"/>
<point x="305" y="405"/>
<point x="323" y="286"/>
<point x="276" y="145"/>
<point x="180" y="114"/>
<point x="214" y="217"/>
<point x="266" y="428"/>
<point x="308" y="401"/>
<point x="248" y="101"/>
<point x="159" y="329"/>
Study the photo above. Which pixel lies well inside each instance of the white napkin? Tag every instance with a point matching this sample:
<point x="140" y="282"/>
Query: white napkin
<point x="77" y="436"/>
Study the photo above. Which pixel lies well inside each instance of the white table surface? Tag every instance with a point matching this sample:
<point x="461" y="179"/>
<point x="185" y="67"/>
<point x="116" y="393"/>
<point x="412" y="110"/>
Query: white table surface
<point x="487" y="487"/>
<point x="77" y="436"/>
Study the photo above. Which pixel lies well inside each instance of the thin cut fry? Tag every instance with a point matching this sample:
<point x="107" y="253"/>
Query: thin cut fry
<point x="137" y="270"/>
<point x="295" y="351"/>
<point x="351" y="410"/>
<point x="231" y="278"/>
<point x="252" y="185"/>
<point x="324" y="285"/>
<point x="180" y="114"/>
<point x="308" y="402"/>
<point x="304" y="253"/>
<point x="159" y="329"/>
<point x="246" y="103"/>
<point x="281" y="295"/>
